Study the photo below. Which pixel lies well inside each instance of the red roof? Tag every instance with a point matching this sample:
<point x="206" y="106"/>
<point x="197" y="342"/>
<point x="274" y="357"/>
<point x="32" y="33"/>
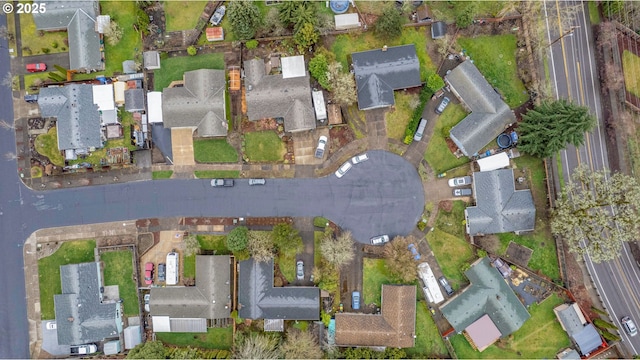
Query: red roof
<point x="215" y="34"/>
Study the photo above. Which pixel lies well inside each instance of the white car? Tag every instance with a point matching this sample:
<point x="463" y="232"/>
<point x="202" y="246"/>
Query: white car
<point x="147" y="297"/>
<point x="460" y="181"/>
<point x="343" y="169"/>
<point x="51" y="325"/>
<point x="359" y="158"/>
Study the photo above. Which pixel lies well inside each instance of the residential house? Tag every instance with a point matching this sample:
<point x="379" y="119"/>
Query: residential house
<point x="78" y="18"/>
<point x="189" y="309"/>
<point x="199" y="104"/>
<point x="487" y="309"/>
<point x="134" y="100"/>
<point x="286" y="95"/>
<point x="489" y="116"/>
<point x="81" y="315"/>
<point x="103" y="97"/>
<point x="258" y="298"/>
<point x="151" y="60"/>
<point x="379" y="72"/>
<point x="77" y="117"/>
<point x="583" y="334"/>
<point x="499" y="206"/>
<point x="395" y="326"/>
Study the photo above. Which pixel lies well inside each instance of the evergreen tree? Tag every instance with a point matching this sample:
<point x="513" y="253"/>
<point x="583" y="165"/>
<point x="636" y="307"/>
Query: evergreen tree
<point x="245" y="18"/>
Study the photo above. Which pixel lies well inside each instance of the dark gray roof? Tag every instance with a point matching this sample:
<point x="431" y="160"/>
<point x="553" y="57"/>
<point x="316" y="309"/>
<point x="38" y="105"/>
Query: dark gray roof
<point x="78" y="18"/>
<point x="489" y="116"/>
<point x="488" y="294"/>
<point x="134" y="100"/>
<point x="78" y="119"/>
<point x="209" y="299"/>
<point x="259" y="299"/>
<point x="271" y="96"/>
<point x="80" y="316"/>
<point x="587" y="339"/>
<point x="199" y="103"/>
<point x="378" y="73"/>
<point x="438" y="30"/>
<point x="499" y="206"/>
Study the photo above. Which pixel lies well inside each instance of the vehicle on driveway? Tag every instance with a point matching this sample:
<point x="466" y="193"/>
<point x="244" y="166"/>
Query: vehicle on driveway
<point x="322" y="143"/>
<point x="414" y="251"/>
<point x="148" y="273"/>
<point x="629" y="326"/>
<point x="300" y="270"/>
<point x="460" y="181"/>
<point x="443" y="105"/>
<point x="420" y="132"/>
<point x="257" y="181"/>
<point x="221" y="182"/>
<point x="445" y="284"/>
<point x="378" y="240"/>
<point x="31" y="98"/>
<point x="162" y="272"/>
<point x="83" y="349"/>
<point x="343" y="169"/>
<point x="37" y="67"/>
<point x="217" y="16"/>
<point x="359" y="158"/>
<point x="355" y="300"/>
<point x="147" y="297"/>
<point x="51" y="325"/>
<point x="462" y="192"/>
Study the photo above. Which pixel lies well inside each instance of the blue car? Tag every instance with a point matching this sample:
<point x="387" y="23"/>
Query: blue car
<point x="414" y="251"/>
<point x="355" y="300"/>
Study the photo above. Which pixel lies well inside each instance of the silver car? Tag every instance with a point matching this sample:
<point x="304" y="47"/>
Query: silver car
<point x="343" y="169"/>
<point x="629" y="326"/>
<point x="378" y="240"/>
<point x="257" y="181"/>
<point x="300" y="270"/>
<point x="359" y="158"/>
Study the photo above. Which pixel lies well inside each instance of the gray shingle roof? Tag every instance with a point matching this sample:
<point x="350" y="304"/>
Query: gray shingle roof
<point x="199" y="103"/>
<point x="489" y="114"/>
<point x="499" y="206"/>
<point x="587" y="339"/>
<point x="271" y="96"/>
<point x="134" y="100"/>
<point x="573" y="322"/>
<point x="151" y="60"/>
<point x="209" y="299"/>
<point x="378" y="73"/>
<point x="78" y="18"/>
<point x="259" y="299"/>
<point x="438" y="30"/>
<point x="78" y="120"/>
<point x="488" y="294"/>
<point x="80" y="316"/>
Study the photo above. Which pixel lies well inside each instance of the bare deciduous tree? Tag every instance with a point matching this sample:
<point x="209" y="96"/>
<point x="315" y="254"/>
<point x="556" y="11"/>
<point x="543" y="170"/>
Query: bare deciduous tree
<point x="399" y="259"/>
<point x="337" y="251"/>
<point x="257" y="346"/>
<point x="191" y="245"/>
<point x="260" y="245"/>
<point x="300" y="345"/>
<point x="113" y="33"/>
<point x="343" y="85"/>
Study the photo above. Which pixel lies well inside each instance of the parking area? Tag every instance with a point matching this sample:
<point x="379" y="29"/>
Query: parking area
<point x="182" y="147"/>
<point x="304" y="146"/>
<point x="169" y="241"/>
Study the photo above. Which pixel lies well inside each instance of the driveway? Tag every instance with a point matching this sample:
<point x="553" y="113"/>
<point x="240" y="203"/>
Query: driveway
<point x="304" y="146"/>
<point x="18" y="64"/>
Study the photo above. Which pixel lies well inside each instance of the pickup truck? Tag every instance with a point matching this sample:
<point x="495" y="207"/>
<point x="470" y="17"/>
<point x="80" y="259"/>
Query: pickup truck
<point x="221" y="182"/>
<point x="84" y="349"/>
<point x="322" y="143"/>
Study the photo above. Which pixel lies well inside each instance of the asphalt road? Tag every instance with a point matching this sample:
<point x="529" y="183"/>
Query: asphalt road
<point x="383" y="195"/>
<point x="575" y="77"/>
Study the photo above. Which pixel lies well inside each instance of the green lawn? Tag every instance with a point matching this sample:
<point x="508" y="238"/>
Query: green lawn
<point x="287" y="262"/>
<point x="210" y="174"/>
<point x="214" y="150"/>
<point x="317" y="256"/>
<point x="173" y="68"/>
<point x="631" y="70"/>
<point x="374" y="276"/>
<point x="34" y="42"/>
<point x="182" y="15"/>
<point x="189" y="267"/>
<point x="130" y="45"/>
<point x="429" y="344"/>
<point x="118" y="270"/>
<point x="30" y="79"/>
<point x="344" y="45"/>
<point x="163" y="174"/>
<point x="495" y="57"/>
<point x="398" y="119"/>
<point x="217" y="243"/>
<point x="215" y="338"/>
<point x="594" y="15"/>
<point x="47" y="145"/>
<point x="438" y="154"/>
<point x="447" y="10"/>
<point x="539" y="338"/>
<point x="72" y="252"/>
<point x="264" y="146"/>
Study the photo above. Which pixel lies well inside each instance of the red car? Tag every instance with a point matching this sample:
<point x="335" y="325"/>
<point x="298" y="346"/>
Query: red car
<point x="148" y="273"/>
<point x="36" y="67"/>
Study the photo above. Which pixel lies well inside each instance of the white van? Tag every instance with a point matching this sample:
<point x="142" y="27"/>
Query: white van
<point x="420" y="131"/>
<point x="172" y="268"/>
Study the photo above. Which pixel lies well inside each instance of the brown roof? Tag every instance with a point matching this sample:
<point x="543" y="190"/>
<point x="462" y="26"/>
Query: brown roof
<point x="394" y="327"/>
<point x="483" y="332"/>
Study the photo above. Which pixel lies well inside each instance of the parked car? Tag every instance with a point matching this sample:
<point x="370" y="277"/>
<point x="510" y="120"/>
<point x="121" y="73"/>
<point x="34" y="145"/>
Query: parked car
<point x="420" y="132"/>
<point x="148" y="273"/>
<point x="462" y="192"/>
<point x="217" y="16"/>
<point x="378" y="240"/>
<point x="83" y="349"/>
<point x="36" y="67"/>
<point x="355" y="300"/>
<point x="221" y="182"/>
<point x="300" y="270"/>
<point x="146" y="302"/>
<point x="343" y="169"/>
<point x="359" y="158"/>
<point x="322" y="143"/>
<point x="460" y="181"/>
<point x="445" y="284"/>
<point x="443" y="105"/>
<point x="51" y="325"/>
<point x="31" y="98"/>
<point x="414" y="251"/>
<point x="257" y="181"/>
<point x="629" y="326"/>
<point x="162" y="272"/>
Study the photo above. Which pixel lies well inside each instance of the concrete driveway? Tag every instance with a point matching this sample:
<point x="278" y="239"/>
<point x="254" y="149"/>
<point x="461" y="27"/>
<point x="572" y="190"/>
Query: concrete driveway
<point x="304" y="146"/>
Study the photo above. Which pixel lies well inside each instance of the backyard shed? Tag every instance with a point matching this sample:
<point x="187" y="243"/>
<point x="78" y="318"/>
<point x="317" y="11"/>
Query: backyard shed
<point x="347" y="21"/>
<point x="132" y="336"/>
<point x="118" y="89"/>
<point x="215" y="34"/>
<point x="319" y="106"/>
<point x="112" y="347"/>
<point x="438" y="30"/>
<point x="494" y="162"/>
<point x="151" y="60"/>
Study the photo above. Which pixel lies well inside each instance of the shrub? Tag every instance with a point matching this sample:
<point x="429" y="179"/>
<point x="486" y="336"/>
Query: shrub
<point x="321" y="222"/>
<point x="45" y="50"/>
<point x="465" y="17"/>
<point x="389" y="24"/>
<point x="435" y="82"/>
<point x="425" y="95"/>
<point x="54" y="44"/>
<point x="192" y="50"/>
<point x="482" y="253"/>
<point x="238" y="238"/>
<point x="603" y="324"/>
<point x="164" y="55"/>
<point x="251" y="44"/>
<point x="609" y="336"/>
<point x="318" y="69"/>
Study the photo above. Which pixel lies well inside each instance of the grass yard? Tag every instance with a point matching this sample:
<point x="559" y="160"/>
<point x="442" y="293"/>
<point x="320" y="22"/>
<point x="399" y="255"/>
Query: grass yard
<point x="72" y="252"/>
<point x="631" y="70"/>
<point x="173" y="68"/>
<point x="130" y="45"/>
<point x="495" y="57"/>
<point x="447" y="10"/>
<point x="189" y="267"/>
<point x="182" y="15"/>
<point x="210" y="174"/>
<point x="438" y="154"/>
<point x="374" y="276"/>
<point x="398" y="119"/>
<point x="30" y="79"/>
<point x="539" y="338"/>
<point x="594" y="15"/>
<point x="264" y="146"/>
<point x="216" y="243"/>
<point x="118" y="270"/>
<point x="429" y="343"/>
<point x="53" y="41"/>
<point x="317" y="256"/>
<point x="344" y="45"/>
<point x="287" y="262"/>
<point x="215" y="338"/>
<point x="214" y="150"/>
<point x="163" y="174"/>
<point x="47" y="145"/>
